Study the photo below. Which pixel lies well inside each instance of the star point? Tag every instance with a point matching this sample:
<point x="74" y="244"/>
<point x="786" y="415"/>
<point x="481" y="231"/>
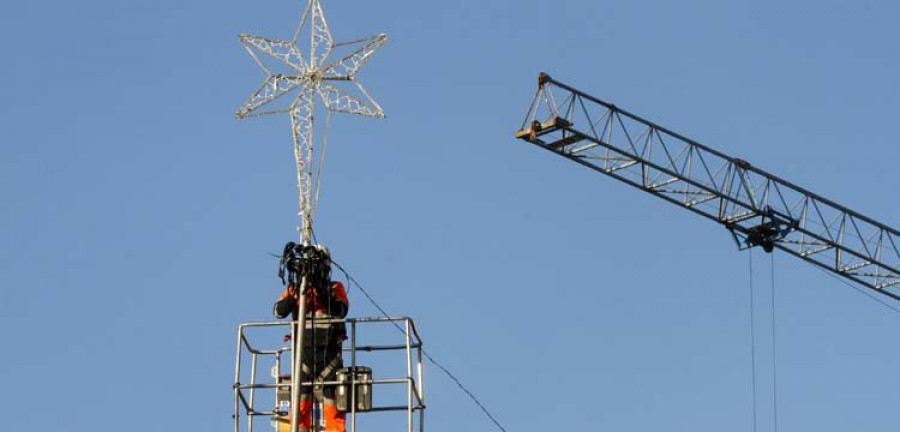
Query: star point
<point x="310" y="77"/>
<point x="314" y="71"/>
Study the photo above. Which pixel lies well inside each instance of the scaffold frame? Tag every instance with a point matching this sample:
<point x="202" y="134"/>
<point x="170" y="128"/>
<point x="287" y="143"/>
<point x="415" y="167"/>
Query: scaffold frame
<point x="245" y="394"/>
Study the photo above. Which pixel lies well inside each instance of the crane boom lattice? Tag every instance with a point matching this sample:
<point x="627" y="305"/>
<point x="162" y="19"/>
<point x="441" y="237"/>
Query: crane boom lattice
<point x="758" y="208"/>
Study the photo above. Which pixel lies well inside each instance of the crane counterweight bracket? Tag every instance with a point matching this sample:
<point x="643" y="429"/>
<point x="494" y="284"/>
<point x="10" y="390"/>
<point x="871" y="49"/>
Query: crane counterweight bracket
<point x="758" y="208"/>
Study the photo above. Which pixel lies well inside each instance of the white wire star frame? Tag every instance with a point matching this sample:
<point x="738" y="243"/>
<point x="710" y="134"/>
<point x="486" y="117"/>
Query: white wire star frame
<point x="334" y="83"/>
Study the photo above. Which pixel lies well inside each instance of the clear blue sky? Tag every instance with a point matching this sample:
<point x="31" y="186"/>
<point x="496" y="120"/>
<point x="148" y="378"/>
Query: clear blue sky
<point x="138" y="213"/>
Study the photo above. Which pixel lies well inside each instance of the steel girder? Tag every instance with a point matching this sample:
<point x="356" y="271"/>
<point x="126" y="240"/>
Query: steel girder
<point x="758" y="208"/>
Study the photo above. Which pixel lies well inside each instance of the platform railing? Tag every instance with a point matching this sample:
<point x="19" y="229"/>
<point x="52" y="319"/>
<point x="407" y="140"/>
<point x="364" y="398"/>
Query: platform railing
<point x="247" y="395"/>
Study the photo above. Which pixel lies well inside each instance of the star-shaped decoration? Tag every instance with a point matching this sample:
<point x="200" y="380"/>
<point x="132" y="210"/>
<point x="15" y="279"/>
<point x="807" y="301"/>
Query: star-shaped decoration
<point x="310" y="79"/>
<point x="313" y="74"/>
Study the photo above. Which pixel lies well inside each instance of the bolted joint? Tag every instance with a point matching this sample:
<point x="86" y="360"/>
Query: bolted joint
<point x="742" y="164"/>
<point x="543" y="78"/>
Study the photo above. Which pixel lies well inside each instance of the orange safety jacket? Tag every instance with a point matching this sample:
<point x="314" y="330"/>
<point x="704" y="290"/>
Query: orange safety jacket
<point x="320" y="304"/>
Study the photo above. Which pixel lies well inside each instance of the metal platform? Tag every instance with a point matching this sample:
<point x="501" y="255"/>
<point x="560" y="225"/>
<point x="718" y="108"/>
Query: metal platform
<point x="261" y="346"/>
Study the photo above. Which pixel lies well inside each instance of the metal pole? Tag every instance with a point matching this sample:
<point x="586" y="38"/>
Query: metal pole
<point x="277" y="376"/>
<point x="353" y="376"/>
<point x="237" y="382"/>
<point x="409" y="385"/>
<point x="252" y="392"/>
<point x="421" y="389"/>
<point x="300" y="326"/>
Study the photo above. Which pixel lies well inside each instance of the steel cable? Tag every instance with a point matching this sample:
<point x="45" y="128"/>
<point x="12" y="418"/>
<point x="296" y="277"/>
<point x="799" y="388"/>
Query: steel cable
<point x="864" y="292"/>
<point x="431" y="359"/>
<point x="774" y="345"/>
<point x="353" y="282"/>
<point x="753" y="342"/>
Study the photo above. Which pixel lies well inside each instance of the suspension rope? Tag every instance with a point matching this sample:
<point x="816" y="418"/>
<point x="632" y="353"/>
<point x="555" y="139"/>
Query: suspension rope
<point x="753" y="342"/>
<point x="774" y="345"/>
<point x="433" y="361"/>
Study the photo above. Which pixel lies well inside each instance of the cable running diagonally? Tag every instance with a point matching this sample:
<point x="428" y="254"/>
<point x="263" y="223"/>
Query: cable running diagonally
<point x="864" y="292"/>
<point x="431" y="359"/>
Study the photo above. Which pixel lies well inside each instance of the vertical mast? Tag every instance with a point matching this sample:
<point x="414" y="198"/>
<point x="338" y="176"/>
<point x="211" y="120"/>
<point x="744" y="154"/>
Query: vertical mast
<point x="287" y="72"/>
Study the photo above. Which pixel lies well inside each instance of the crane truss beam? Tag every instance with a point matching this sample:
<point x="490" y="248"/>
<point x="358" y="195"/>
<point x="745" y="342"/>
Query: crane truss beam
<point x="758" y="208"/>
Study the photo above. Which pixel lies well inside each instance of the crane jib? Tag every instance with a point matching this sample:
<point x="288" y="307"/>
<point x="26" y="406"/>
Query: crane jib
<point x="758" y="208"/>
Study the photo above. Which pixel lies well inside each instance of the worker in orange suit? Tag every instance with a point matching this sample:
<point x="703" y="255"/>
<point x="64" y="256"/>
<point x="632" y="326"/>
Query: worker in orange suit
<point x="321" y="357"/>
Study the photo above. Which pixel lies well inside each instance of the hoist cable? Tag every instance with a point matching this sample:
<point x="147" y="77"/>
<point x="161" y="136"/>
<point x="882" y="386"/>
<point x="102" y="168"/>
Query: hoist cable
<point x="753" y="342"/>
<point x="424" y="353"/>
<point x="774" y="345"/>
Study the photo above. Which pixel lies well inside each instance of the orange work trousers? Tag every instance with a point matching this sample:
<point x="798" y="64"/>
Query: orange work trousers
<point x="335" y="421"/>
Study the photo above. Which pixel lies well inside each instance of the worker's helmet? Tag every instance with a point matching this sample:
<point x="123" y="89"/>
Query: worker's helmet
<point x="323" y="250"/>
